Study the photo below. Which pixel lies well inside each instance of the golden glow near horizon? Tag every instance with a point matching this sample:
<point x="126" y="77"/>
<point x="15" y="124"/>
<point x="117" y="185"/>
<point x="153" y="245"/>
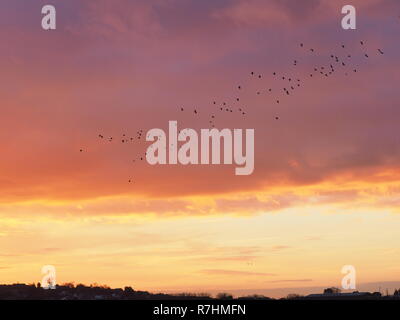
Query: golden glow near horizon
<point x="226" y="246"/>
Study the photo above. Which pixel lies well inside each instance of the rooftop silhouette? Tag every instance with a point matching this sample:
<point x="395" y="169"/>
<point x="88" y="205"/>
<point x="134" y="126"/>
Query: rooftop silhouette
<point x="69" y="291"/>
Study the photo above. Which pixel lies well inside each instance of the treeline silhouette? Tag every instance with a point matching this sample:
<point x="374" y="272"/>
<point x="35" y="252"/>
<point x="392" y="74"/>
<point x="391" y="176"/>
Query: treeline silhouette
<point x="70" y="291"/>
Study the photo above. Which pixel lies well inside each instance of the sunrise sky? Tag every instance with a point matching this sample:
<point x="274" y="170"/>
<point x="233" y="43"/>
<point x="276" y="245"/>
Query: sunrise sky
<point x="325" y="191"/>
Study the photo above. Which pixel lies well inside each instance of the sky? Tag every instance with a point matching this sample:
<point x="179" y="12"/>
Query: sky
<point x="325" y="191"/>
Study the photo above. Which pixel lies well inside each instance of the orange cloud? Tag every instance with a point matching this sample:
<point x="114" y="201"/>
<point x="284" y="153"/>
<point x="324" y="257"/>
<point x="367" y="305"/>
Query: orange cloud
<point x="218" y="272"/>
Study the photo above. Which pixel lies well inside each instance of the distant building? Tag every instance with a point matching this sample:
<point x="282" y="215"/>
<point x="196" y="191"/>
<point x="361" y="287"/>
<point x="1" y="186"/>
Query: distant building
<point x="335" y="293"/>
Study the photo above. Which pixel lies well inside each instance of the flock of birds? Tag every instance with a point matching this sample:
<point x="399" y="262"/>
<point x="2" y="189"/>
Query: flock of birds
<point x="125" y="138"/>
<point x="282" y="85"/>
<point x="336" y="62"/>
